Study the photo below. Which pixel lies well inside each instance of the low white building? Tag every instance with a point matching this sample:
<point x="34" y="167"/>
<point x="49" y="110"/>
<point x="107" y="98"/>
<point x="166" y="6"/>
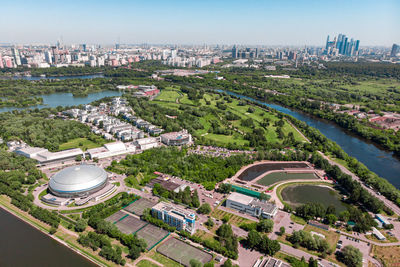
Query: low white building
<point x="147" y="143"/>
<point x="251" y="205"/>
<point x="111" y="150"/>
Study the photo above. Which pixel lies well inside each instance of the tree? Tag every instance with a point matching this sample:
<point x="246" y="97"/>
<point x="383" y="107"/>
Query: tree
<point x="134" y="252"/>
<point x="195" y="263"/>
<point x="330" y="219"/>
<point x="253" y="239"/>
<point x="209" y="222"/>
<point x="351" y="256"/>
<point x="195" y="199"/>
<point x="282" y="230"/>
<point x="265" y="225"/>
<point x="226" y="218"/>
<point x="312" y="262"/>
<point x="344" y="216"/>
<point x="227" y="263"/>
<point x="204" y="209"/>
<point x="224" y="188"/>
<point x="81" y="225"/>
<point x="78" y="158"/>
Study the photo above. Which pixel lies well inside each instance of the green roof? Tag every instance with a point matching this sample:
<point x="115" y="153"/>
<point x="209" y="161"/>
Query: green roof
<point x="245" y="191"/>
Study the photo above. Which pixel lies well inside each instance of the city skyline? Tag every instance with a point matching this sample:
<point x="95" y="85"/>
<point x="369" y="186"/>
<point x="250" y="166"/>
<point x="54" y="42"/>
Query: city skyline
<point x="179" y="22"/>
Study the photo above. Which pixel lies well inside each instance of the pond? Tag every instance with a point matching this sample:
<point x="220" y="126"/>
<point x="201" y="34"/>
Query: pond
<point x="299" y="194"/>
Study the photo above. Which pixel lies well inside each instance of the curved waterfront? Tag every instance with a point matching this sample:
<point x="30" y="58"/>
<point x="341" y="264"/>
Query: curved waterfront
<point x="377" y="160"/>
<point x="23" y="245"/>
<point x="66" y="99"/>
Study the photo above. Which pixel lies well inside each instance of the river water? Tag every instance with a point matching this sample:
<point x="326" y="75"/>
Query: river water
<point x="382" y="162"/>
<point x="23" y="245"/>
<point x="66" y="99"/>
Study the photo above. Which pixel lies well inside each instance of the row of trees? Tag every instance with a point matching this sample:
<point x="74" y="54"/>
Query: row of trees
<point x="96" y="241"/>
<point x="311" y="242"/>
<point x="183" y="196"/>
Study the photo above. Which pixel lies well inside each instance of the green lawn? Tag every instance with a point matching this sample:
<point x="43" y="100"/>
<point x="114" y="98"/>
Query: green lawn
<point x="82" y="143"/>
<point x="168" y="95"/>
<point x="146" y="263"/>
<point x="283" y="176"/>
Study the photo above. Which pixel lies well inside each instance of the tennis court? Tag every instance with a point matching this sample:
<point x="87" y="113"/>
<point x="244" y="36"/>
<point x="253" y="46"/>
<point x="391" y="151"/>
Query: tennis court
<point x="116" y="216"/>
<point x="139" y="206"/>
<point x="181" y="252"/>
<point x="130" y="224"/>
<point x="283" y="176"/>
<point x="152" y="234"/>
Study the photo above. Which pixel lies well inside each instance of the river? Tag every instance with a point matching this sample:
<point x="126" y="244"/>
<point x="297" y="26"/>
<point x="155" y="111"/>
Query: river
<point x="66" y="99"/>
<point x="382" y="162"/>
<point x="23" y="245"/>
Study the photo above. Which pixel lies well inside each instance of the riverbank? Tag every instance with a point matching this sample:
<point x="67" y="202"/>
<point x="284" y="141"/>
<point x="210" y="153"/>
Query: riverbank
<point x="44" y="229"/>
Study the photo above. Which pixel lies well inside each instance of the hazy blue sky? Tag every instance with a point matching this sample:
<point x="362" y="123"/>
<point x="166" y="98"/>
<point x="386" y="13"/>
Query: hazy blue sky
<point x="279" y="22"/>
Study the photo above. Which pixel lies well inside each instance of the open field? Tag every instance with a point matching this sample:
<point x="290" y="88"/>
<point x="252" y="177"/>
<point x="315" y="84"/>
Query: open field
<point x="168" y="95"/>
<point x="181" y="252"/>
<point x="82" y="143"/>
<point x="390" y="256"/>
<point x="283" y="176"/>
<point x="139" y="206"/>
<point x="152" y="234"/>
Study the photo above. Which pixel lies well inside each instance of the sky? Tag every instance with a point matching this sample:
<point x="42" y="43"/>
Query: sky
<point x="246" y="22"/>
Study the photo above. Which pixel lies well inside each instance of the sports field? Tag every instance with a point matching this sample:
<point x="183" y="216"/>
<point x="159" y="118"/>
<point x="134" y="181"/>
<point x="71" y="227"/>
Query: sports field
<point x="152" y="234"/>
<point x="116" y="216"/>
<point x="139" y="206"/>
<point x="283" y="176"/>
<point x="181" y="252"/>
<point x="130" y="224"/>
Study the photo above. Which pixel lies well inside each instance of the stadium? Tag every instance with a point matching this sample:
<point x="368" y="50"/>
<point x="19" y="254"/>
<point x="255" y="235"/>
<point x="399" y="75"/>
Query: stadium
<point x="78" y="181"/>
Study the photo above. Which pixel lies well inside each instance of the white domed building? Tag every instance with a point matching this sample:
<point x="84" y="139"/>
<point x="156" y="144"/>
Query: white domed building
<point x="78" y="181"/>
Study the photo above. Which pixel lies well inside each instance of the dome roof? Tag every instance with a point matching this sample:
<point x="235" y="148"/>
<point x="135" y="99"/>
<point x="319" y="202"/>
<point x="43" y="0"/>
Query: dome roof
<point x="77" y="179"/>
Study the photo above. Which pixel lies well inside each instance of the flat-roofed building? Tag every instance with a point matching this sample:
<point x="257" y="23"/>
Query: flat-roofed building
<point x="111" y="150"/>
<point x="43" y="156"/>
<point x="147" y="143"/>
<point x="378" y="234"/>
<point x="251" y="205"/>
<point x="179" y="217"/>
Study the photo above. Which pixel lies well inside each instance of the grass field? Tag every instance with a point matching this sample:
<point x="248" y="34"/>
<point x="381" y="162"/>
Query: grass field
<point x="146" y="263"/>
<point x="181" y="252"/>
<point x="82" y="143"/>
<point x="283" y="176"/>
<point x="390" y="256"/>
<point x="168" y="95"/>
<point x="166" y="262"/>
<point x="233" y="218"/>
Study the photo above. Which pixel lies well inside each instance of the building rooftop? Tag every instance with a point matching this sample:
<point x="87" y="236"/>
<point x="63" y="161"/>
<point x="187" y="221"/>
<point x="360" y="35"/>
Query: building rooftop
<point x="175" y="210"/>
<point x="240" y="198"/>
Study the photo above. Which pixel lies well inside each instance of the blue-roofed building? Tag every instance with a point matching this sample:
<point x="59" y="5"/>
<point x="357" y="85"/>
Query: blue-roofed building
<point x="382" y="219"/>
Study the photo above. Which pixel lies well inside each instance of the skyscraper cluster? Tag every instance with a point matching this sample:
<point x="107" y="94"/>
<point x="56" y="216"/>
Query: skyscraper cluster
<point x="244" y="53"/>
<point x="342" y="45"/>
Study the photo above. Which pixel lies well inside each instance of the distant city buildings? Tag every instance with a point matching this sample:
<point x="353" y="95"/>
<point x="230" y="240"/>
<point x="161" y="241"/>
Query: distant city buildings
<point x="395" y="50"/>
<point x="244" y="53"/>
<point x="342" y="45"/>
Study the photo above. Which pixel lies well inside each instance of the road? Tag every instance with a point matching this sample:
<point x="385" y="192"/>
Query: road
<point x="388" y="203"/>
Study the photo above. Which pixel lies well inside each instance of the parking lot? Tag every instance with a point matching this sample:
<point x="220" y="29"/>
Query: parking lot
<point x="361" y="245"/>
